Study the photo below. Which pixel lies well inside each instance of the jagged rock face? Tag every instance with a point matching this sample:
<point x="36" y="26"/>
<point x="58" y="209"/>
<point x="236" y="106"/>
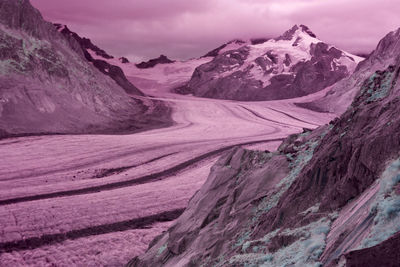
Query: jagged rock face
<point x="153" y="62"/>
<point x="47" y="85"/>
<point x="84" y="42"/>
<point x="293" y="65"/>
<point x="321" y="195"/>
<point x="22" y="15"/>
<point x="114" y="72"/>
<point x="341" y="95"/>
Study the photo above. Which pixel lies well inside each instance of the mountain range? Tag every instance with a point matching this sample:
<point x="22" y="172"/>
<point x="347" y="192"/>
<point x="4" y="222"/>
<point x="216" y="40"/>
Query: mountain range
<point x="293" y="65"/>
<point x="328" y="196"/>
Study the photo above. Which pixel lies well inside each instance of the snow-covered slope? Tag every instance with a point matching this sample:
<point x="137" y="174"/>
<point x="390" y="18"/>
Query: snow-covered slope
<point x="160" y="77"/>
<point x="293" y="65"/>
<point x="162" y="74"/>
<point x="47" y="85"/>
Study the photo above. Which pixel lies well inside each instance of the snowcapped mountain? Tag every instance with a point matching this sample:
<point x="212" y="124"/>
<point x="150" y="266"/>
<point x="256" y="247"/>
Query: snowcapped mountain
<point x="328" y="197"/>
<point x="47" y="85"/>
<point x="292" y="65"/>
<point x="338" y="99"/>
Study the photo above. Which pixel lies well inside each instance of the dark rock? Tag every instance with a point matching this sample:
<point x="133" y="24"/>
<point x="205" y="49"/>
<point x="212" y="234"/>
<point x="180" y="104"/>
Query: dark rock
<point x="288" y="35"/>
<point x="257" y="41"/>
<point x="153" y="62"/>
<point x="217" y="51"/>
<point x="85" y="43"/>
<point x="124" y="60"/>
<point x="384" y="254"/>
<point x="117" y="75"/>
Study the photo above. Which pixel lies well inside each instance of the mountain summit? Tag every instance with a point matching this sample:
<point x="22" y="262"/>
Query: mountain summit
<point x="289" y="34"/>
<point x="292" y="65"/>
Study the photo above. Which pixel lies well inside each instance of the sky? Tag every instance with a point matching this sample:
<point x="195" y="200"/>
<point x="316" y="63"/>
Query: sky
<point x="183" y="29"/>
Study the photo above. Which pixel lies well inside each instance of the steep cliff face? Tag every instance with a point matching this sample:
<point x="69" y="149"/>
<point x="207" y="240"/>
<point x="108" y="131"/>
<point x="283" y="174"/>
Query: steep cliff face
<point x="47" y="85"/>
<point x="322" y="195"/>
<point x="293" y="65"/>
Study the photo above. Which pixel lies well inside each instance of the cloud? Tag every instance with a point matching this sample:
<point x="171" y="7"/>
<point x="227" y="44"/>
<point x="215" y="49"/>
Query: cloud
<point x="142" y="29"/>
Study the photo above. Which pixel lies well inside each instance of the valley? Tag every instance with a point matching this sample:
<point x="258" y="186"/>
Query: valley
<point x="80" y="194"/>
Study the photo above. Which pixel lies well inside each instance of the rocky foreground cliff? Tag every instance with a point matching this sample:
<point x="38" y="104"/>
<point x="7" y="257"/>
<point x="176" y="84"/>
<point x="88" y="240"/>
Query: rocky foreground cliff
<point x="292" y="65"/>
<point x="328" y="197"/>
<point x="48" y="86"/>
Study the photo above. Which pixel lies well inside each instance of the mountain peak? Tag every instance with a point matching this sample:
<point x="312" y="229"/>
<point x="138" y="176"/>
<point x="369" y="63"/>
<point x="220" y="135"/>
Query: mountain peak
<point x="289" y="34"/>
<point x="307" y="30"/>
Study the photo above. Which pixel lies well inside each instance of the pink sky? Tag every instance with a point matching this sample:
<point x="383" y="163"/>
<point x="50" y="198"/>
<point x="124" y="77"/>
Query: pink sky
<point x="181" y="29"/>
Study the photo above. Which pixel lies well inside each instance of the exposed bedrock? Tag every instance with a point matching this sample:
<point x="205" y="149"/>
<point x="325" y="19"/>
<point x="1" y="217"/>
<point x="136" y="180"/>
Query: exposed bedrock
<point x="47" y="86"/>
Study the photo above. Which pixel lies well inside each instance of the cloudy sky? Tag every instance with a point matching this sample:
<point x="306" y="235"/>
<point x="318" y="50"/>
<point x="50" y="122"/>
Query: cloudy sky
<point x="182" y="29"/>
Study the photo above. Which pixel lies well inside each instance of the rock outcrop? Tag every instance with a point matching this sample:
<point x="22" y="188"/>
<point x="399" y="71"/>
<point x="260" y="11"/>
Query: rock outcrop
<point x="292" y="65"/>
<point x="48" y="86"/>
<point x="153" y="62"/>
<point x="124" y="60"/>
<point x="231" y="45"/>
<point x="384" y="254"/>
<point x="326" y="197"/>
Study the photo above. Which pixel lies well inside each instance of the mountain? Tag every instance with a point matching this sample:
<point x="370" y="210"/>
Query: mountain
<point x="48" y="86"/>
<point x="292" y="65"/>
<point x="327" y="197"/>
<point x="89" y="49"/>
<point x="340" y="96"/>
<point x="152" y="62"/>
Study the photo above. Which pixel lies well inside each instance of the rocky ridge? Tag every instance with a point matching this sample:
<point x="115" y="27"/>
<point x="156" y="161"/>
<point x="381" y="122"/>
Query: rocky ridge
<point x="114" y="72"/>
<point x="162" y="59"/>
<point x="48" y="86"/>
